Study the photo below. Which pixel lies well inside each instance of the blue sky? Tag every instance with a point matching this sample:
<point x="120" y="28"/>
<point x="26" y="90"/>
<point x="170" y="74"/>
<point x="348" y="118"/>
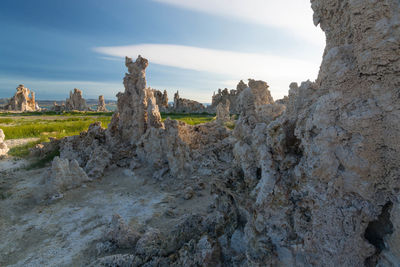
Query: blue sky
<point x="194" y="46"/>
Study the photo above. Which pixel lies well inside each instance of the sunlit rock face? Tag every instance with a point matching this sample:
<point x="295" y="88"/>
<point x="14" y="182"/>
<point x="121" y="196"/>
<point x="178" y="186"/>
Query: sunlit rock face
<point x="223" y="114"/>
<point x="130" y="120"/>
<point x="76" y="101"/>
<point x="161" y="98"/>
<point x="309" y="181"/>
<point x="322" y="180"/>
<point x="3" y="147"/>
<point x="183" y="105"/>
<point x="23" y="100"/>
<point x="259" y="89"/>
<point x="101" y="106"/>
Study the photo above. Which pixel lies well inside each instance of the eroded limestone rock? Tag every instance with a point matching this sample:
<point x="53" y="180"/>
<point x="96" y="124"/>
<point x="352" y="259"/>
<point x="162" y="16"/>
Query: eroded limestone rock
<point x="121" y="234"/>
<point x="3" y="147"/>
<point x="312" y="181"/>
<point x="223" y="113"/>
<point x="130" y="120"/>
<point x="260" y="91"/>
<point x="76" y="101"/>
<point x="88" y="149"/>
<point x="161" y="98"/>
<point x="65" y="174"/>
<point x="101" y="106"/>
<point x="23" y="100"/>
<point x="183" y="105"/>
<point x="319" y="176"/>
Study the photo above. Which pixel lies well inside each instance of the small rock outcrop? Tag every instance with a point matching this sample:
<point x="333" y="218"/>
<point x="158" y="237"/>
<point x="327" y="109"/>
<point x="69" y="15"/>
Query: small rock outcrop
<point x="58" y="108"/>
<point x="260" y="92"/>
<point x="312" y="180"/>
<point x="23" y="100"/>
<point x="65" y="174"/>
<point x="319" y="179"/>
<point x="223" y="113"/>
<point x="183" y="105"/>
<point x="130" y="122"/>
<point x="101" y="106"/>
<point x="161" y="98"/>
<point x="230" y="95"/>
<point x="3" y="147"/>
<point x="76" y="101"/>
<point x="120" y="234"/>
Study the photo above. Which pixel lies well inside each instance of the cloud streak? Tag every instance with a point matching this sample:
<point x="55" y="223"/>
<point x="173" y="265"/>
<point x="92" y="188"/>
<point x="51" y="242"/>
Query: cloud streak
<point x="292" y="15"/>
<point x="212" y="60"/>
<point x="278" y="71"/>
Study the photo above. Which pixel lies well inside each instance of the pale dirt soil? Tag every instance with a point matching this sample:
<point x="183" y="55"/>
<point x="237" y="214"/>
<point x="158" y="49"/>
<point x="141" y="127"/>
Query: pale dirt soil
<point x="18" y="142"/>
<point x="8" y="163"/>
<point x="65" y="232"/>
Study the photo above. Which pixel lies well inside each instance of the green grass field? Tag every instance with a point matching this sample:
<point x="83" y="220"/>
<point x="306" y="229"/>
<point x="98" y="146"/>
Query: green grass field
<point x="28" y="125"/>
<point x="43" y="125"/>
<point x="192" y="119"/>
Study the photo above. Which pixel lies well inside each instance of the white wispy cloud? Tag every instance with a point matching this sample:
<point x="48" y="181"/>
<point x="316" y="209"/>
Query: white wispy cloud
<point x="292" y="15"/>
<point x="278" y="71"/>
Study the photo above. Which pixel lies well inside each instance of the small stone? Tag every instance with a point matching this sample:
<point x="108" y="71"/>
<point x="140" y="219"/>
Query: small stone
<point x="189" y="193"/>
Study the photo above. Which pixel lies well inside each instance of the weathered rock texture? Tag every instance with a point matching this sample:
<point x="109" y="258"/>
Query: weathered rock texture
<point x="23" y="100"/>
<point x="76" y="101"/>
<point x="101" y="106"/>
<point x="161" y="98"/>
<point x="260" y="91"/>
<point x="64" y="174"/>
<point x="186" y="105"/>
<point x="3" y="147"/>
<point x="57" y="107"/>
<point x="223" y="114"/>
<point x="136" y="133"/>
<point x="310" y="181"/>
<point x="321" y="182"/>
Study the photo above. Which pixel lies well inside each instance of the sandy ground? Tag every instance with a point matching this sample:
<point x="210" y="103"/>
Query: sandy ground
<point x="68" y="231"/>
<point x="8" y="163"/>
<point x="17" y="142"/>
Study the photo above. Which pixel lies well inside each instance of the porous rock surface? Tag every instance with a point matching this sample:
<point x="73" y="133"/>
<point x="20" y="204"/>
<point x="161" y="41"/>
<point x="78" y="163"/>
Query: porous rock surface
<point x="259" y="88"/>
<point x="23" y="100"/>
<point x="161" y="98"/>
<point x="223" y="114"/>
<point x="101" y="106"/>
<point x="321" y="184"/>
<point x="309" y="181"/>
<point x="3" y="147"/>
<point x="183" y="105"/>
<point x="64" y="175"/>
<point x="76" y="101"/>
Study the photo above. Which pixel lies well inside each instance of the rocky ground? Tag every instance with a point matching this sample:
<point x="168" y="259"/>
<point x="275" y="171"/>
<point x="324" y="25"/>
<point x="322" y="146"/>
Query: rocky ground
<point x="19" y="142"/>
<point x="74" y="228"/>
<point x="311" y="180"/>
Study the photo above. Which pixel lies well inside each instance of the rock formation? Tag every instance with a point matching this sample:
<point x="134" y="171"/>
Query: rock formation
<point x="261" y="92"/>
<point x="3" y="147"/>
<point x="321" y="178"/>
<point x="101" y="106"/>
<point x="23" y="100"/>
<point x="58" y="108"/>
<point x="223" y="114"/>
<point x="64" y="174"/>
<point x="137" y="130"/>
<point x="76" y="101"/>
<point x="161" y="98"/>
<point x="231" y="96"/>
<point x="310" y="181"/>
<point x="183" y="105"/>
